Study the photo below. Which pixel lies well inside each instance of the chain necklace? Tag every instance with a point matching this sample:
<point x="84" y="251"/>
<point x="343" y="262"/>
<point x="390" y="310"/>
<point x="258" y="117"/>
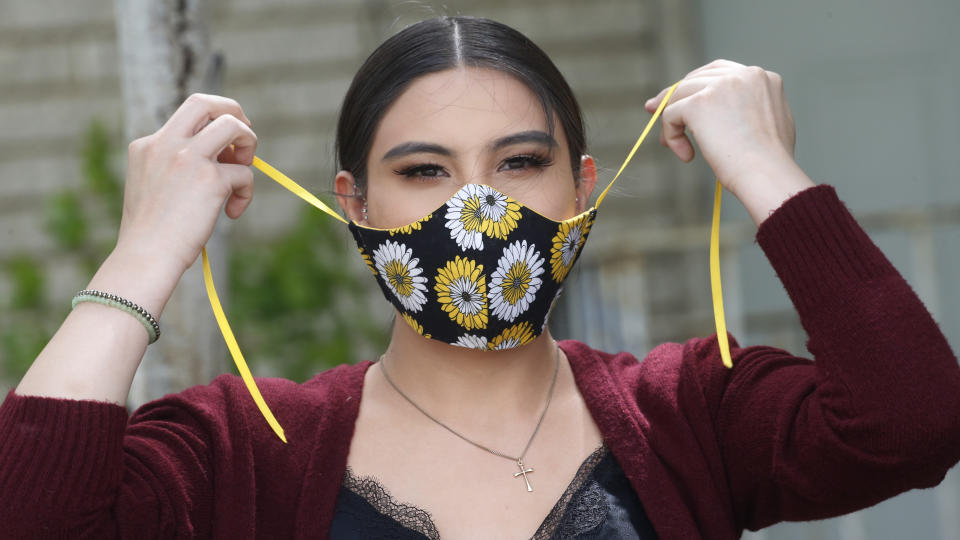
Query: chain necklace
<point x="524" y="470"/>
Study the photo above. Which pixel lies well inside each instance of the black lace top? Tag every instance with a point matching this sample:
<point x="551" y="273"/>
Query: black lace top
<point x="599" y="503"/>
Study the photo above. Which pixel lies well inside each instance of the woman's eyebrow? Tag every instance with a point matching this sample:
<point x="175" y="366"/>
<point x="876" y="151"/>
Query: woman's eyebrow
<point x="533" y="136"/>
<point x="415" y="147"/>
<point x="408" y="148"/>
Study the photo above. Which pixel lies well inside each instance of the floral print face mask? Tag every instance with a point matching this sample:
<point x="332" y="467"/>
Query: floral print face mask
<point x="482" y="271"/>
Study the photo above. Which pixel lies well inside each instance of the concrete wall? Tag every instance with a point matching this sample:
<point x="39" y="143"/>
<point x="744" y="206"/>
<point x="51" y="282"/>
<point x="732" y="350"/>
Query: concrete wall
<point x="288" y="63"/>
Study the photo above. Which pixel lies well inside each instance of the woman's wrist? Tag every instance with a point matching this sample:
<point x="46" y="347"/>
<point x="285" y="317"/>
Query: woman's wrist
<point x="767" y="184"/>
<point x="139" y="277"/>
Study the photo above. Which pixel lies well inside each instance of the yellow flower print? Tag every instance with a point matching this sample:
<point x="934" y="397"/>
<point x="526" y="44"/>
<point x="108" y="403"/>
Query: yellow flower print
<point x="462" y="292"/>
<point x="478" y="210"/>
<point x="566" y="244"/>
<point x="407" y="229"/>
<point x="415" y="325"/>
<point x="515" y="336"/>
<point x="366" y="258"/>
<point x="500" y="213"/>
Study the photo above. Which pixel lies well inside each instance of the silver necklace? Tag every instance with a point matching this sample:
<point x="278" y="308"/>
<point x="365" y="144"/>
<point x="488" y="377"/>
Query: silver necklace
<point x="524" y="470"/>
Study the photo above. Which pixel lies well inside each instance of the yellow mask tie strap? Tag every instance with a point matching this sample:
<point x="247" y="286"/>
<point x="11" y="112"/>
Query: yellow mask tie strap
<point x="718" y="317"/>
<point x="715" y="287"/>
<point x="297" y="190"/>
<point x="653" y="120"/>
<point x="228" y="336"/>
<point x="235" y="349"/>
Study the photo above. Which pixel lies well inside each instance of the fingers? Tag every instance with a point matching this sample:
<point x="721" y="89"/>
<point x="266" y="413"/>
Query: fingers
<point x="716" y="65"/>
<point x="673" y="133"/>
<point x="218" y="136"/>
<point x="199" y="109"/>
<point x="216" y="128"/>
<point x="673" y="130"/>
<point x="240" y="178"/>
<point x="684" y="89"/>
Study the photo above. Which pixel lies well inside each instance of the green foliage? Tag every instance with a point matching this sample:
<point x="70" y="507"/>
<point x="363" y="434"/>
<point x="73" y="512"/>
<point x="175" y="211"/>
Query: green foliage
<point x="32" y="318"/>
<point x="98" y="175"/>
<point x="22" y="341"/>
<point x="293" y="303"/>
<point x="23" y="337"/>
<point x="66" y="221"/>
<point x="27" y="280"/>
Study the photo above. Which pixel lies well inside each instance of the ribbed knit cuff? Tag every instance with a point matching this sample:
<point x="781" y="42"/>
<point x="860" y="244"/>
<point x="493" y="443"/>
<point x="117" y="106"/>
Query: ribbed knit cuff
<point x="61" y="453"/>
<point x="816" y="247"/>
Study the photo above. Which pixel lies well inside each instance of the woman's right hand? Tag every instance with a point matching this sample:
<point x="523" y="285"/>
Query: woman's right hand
<point x="177" y="181"/>
<point x="179" y="177"/>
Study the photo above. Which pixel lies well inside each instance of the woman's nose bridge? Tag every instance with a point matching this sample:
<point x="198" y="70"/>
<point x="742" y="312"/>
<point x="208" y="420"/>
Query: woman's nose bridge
<point x="473" y="166"/>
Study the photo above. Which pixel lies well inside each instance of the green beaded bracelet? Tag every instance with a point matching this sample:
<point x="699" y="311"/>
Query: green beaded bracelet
<point x="112" y="300"/>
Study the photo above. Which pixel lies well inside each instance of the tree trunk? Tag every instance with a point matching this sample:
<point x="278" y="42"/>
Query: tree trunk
<point x="164" y="57"/>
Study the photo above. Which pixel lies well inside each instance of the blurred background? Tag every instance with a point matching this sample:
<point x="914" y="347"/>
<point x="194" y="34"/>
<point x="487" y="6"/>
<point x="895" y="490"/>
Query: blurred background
<point x="872" y="86"/>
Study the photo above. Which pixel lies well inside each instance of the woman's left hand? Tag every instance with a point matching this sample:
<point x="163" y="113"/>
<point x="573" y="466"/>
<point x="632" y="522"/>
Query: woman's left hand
<point x="742" y="124"/>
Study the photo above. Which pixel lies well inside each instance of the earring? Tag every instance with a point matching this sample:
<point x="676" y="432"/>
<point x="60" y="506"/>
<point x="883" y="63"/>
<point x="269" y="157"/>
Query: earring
<point x="363" y="211"/>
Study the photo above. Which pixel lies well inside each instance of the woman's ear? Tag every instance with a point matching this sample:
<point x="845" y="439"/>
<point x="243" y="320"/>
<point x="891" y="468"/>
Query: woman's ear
<point x="349" y="196"/>
<point x="588" y="180"/>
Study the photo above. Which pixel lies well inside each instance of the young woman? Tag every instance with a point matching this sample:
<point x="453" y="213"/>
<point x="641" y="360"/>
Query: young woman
<point x="465" y="175"/>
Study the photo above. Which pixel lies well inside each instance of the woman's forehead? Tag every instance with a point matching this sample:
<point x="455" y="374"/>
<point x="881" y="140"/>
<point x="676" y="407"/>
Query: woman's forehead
<point x="460" y="108"/>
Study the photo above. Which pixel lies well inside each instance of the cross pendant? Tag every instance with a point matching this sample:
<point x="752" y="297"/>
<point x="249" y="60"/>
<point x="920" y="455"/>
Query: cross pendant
<point x="523" y="472"/>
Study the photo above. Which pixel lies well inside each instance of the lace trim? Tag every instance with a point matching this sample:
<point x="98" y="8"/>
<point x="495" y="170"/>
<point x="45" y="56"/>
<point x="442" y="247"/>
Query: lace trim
<point x="581" y="508"/>
<point x="409" y="516"/>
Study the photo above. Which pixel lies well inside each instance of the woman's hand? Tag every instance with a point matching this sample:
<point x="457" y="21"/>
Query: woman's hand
<point x="742" y="123"/>
<point x="179" y="177"/>
<point x="177" y="181"/>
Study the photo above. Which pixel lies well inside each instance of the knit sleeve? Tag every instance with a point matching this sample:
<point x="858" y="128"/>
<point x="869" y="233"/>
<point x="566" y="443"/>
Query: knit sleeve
<point x="80" y="469"/>
<point x="873" y="414"/>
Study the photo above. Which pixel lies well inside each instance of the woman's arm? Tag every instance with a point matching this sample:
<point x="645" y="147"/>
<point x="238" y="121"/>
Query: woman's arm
<point x="877" y="411"/>
<point x="742" y="123"/>
<point x="177" y="181"/>
<point x="97" y="349"/>
<point x="69" y="465"/>
<point x="76" y="469"/>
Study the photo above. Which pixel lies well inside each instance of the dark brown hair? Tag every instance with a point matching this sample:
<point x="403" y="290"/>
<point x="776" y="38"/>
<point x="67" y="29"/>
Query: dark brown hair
<point x="443" y="43"/>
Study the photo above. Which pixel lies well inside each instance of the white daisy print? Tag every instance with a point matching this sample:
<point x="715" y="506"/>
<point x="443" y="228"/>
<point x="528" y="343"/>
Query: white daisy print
<point x="465" y="218"/>
<point x="566" y="244"/>
<point x="515" y="283"/>
<point x="478" y="210"/>
<point x="500" y="213"/>
<point x="513" y="337"/>
<point x="398" y="268"/>
<point x="471" y="341"/>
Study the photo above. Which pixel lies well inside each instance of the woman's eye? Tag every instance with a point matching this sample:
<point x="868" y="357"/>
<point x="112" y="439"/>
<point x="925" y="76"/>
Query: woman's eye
<point x="422" y="171"/>
<point x="516" y="163"/>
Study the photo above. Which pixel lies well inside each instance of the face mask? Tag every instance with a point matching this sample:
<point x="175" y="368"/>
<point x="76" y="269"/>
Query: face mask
<point x="482" y="271"/>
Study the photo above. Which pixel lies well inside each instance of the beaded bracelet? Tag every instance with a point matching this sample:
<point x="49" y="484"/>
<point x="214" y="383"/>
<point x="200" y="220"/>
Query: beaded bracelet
<point x="112" y="300"/>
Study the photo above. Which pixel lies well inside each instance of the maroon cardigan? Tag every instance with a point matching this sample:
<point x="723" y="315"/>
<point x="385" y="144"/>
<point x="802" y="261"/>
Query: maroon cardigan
<point x="709" y="450"/>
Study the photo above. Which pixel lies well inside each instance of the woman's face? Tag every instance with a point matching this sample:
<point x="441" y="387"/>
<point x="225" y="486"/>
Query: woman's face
<point x="463" y="126"/>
